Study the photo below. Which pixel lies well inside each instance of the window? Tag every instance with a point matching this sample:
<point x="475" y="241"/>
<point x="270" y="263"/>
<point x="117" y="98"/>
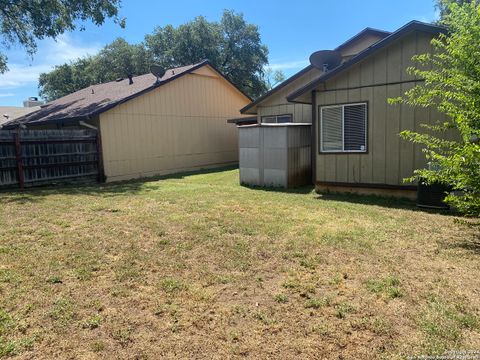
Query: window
<point x="277" y="119"/>
<point x="343" y="128"/>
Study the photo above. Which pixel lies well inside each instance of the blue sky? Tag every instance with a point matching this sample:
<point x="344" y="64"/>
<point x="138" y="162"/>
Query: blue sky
<point x="292" y="30"/>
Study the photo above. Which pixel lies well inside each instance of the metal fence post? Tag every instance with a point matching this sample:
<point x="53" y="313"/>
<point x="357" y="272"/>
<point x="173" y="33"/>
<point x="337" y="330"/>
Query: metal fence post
<point x="18" y="156"/>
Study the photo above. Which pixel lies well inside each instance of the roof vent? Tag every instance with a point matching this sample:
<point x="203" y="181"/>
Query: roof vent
<point x="173" y="72"/>
<point x="130" y="79"/>
<point x="93" y="91"/>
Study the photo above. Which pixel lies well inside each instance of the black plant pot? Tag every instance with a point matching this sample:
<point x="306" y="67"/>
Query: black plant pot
<point x="432" y="195"/>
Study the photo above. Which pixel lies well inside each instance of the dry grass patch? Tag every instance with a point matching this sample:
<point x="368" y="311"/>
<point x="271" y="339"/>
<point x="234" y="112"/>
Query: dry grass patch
<point x="196" y="264"/>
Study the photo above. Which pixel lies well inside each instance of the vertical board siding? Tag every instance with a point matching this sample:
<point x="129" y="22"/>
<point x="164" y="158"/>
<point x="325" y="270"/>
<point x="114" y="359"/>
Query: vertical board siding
<point x="389" y="159"/>
<point x="179" y="126"/>
<point x="277" y="104"/>
<point x="277" y="156"/>
<point x="48" y="156"/>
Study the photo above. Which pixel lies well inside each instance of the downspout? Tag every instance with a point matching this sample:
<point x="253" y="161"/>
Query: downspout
<point x="313" y="140"/>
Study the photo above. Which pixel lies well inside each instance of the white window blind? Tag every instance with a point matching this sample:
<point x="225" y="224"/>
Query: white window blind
<point x="344" y="128"/>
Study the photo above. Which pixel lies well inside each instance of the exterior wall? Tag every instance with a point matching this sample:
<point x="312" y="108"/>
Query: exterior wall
<point x="359" y="45"/>
<point x="275" y="155"/>
<point x="180" y="126"/>
<point x="277" y="104"/>
<point x="400" y="193"/>
<point x="389" y="159"/>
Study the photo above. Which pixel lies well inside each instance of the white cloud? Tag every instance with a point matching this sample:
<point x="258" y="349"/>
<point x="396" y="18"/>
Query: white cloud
<point x="6" y="94"/>
<point x="20" y="75"/>
<point x="288" y="65"/>
<point x="50" y="53"/>
<point x="64" y="49"/>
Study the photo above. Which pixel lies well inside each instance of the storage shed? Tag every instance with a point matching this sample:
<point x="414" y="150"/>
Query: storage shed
<point x="276" y="155"/>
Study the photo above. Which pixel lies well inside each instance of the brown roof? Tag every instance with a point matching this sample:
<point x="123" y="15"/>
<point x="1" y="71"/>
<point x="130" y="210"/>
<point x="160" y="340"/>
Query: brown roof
<point x="14" y="112"/>
<point x="95" y="99"/>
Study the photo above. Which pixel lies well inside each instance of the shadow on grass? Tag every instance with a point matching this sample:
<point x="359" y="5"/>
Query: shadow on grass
<point x="121" y="188"/>
<point x="472" y="244"/>
<point x="376" y="200"/>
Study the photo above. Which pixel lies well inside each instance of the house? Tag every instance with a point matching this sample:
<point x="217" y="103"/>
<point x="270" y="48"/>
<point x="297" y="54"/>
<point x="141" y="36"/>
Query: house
<point x="151" y="126"/>
<point x="9" y="113"/>
<point x="355" y="140"/>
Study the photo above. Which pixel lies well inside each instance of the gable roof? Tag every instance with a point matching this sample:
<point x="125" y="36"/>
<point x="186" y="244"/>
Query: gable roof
<point x="96" y="99"/>
<point x="276" y="88"/>
<point x="404" y="30"/>
<point x="365" y="32"/>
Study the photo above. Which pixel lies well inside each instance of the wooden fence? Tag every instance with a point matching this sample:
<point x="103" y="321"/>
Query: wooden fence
<point x="35" y="157"/>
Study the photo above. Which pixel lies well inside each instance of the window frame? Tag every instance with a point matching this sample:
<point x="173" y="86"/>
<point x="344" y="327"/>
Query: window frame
<point x="276" y="118"/>
<point x="320" y="128"/>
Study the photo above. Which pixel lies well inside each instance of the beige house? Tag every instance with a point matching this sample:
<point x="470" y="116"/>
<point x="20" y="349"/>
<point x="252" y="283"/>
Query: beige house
<point x="355" y="143"/>
<point x="151" y="126"/>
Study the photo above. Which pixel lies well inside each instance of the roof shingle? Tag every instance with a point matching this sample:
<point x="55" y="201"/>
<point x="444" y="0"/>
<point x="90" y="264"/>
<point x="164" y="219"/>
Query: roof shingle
<point x="96" y="99"/>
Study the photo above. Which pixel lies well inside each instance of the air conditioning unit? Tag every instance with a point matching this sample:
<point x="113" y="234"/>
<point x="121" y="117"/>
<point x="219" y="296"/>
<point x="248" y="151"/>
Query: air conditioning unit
<point x="32" y="101"/>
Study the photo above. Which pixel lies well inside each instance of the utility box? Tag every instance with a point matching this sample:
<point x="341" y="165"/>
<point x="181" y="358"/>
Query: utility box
<point x="275" y="155"/>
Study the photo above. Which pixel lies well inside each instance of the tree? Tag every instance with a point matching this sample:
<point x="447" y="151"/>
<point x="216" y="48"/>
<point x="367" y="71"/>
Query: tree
<point x="115" y="60"/>
<point x="120" y="59"/>
<point x="443" y="9"/>
<point x="65" y="79"/>
<point x="273" y="77"/>
<point x="452" y="86"/>
<point x="26" y="21"/>
<point x="232" y="46"/>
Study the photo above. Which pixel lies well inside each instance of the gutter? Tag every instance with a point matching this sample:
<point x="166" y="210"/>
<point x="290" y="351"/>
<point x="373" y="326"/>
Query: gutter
<point x="404" y="30"/>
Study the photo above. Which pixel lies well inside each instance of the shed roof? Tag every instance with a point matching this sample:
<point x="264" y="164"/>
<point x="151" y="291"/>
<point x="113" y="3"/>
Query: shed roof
<point x="95" y="99"/>
<point x="404" y="30"/>
<point x="245" y="120"/>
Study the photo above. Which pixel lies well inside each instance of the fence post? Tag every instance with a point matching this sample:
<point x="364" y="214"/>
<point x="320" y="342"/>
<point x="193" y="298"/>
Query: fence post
<point x="101" y="172"/>
<point x="18" y="156"/>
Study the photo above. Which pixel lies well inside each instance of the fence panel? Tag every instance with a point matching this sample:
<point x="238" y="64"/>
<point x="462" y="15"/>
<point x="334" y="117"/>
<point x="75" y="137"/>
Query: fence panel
<point x="34" y="157"/>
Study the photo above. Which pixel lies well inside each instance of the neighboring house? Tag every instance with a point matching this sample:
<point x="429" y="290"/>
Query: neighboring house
<point x="356" y="145"/>
<point x="9" y="113"/>
<point x="151" y="127"/>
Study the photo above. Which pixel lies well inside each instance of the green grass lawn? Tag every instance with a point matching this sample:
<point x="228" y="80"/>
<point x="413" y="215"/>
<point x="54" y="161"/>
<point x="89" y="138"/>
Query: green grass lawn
<point x="196" y="266"/>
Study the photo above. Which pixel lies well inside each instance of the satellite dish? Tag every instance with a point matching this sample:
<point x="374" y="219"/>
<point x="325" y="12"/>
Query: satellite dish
<point x="325" y="59"/>
<point x="158" y="71"/>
